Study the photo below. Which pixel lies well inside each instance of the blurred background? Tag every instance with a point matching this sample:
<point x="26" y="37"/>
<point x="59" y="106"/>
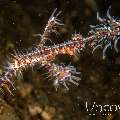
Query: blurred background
<point x="35" y="98"/>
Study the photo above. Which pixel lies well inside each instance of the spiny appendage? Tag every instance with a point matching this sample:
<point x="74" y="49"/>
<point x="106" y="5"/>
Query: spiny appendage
<point x="52" y="27"/>
<point x="63" y="75"/>
<point x="106" y="34"/>
<point x="14" y="67"/>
